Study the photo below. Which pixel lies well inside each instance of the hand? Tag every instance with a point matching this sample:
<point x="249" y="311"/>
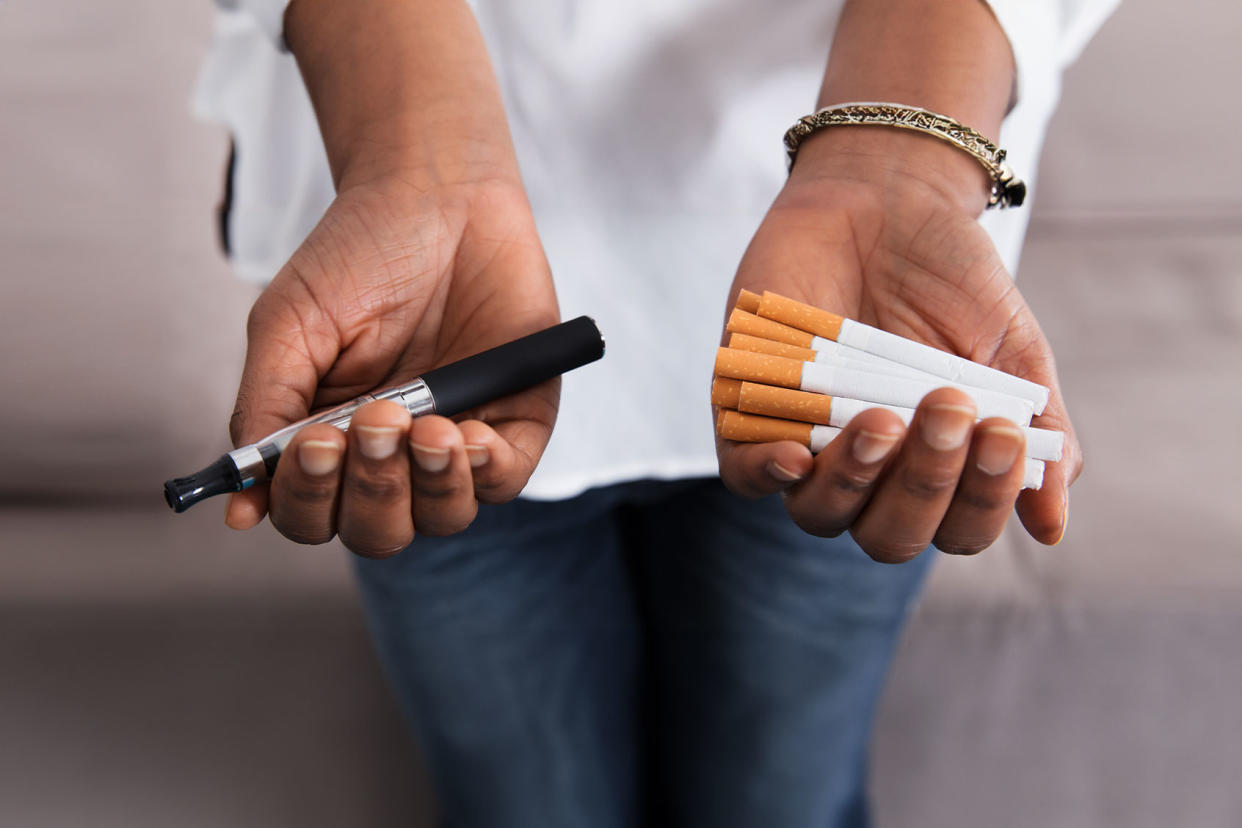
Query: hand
<point x="881" y="228"/>
<point x="395" y="280"/>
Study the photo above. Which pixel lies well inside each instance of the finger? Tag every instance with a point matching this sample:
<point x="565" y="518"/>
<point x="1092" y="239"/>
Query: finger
<point x="845" y="473"/>
<point x="760" y="469"/>
<point x="908" y="505"/>
<point x="496" y="467"/>
<point x="245" y="509"/>
<point x="304" y="490"/>
<point x="505" y="439"/>
<point x="374" y="516"/>
<point x="1045" y="512"/>
<point x="443" y="496"/>
<point x="279" y="377"/>
<point x="986" y="492"/>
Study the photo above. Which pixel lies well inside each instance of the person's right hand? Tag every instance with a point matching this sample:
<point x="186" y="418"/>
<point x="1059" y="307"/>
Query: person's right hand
<point x="395" y="280"/>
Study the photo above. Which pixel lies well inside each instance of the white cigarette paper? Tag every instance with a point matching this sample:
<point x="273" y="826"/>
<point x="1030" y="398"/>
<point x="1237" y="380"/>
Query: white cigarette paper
<point x="940" y="363"/>
<point x="1041" y="443"/>
<point x="1033" y="476"/>
<point x="834" y="353"/>
<point x="1032" y="473"/>
<point x="905" y="392"/>
<point x="821" y="436"/>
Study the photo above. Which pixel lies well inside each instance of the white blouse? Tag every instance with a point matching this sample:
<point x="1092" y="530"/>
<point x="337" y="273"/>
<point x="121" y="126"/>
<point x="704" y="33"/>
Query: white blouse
<point x="649" y="139"/>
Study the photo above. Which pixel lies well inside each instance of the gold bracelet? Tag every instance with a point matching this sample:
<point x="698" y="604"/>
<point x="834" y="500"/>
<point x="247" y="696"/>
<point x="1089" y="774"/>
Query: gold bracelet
<point x="1007" y="190"/>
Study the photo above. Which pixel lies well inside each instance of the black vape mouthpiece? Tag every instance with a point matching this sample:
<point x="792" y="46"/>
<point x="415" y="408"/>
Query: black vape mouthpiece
<point x="218" y="478"/>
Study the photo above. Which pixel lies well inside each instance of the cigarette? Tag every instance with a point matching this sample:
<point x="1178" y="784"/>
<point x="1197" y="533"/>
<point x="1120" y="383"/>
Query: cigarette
<point x="750" y="428"/>
<point x="859" y="385"/>
<point x="787" y="403"/>
<point x="748" y="300"/>
<point x="759" y="345"/>
<point x="747" y="428"/>
<point x="821" y="323"/>
<point x="726" y="392"/>
<point x="748" y="323"/>
<point x="827" y="352"/>
<point x="1033" y="474"/>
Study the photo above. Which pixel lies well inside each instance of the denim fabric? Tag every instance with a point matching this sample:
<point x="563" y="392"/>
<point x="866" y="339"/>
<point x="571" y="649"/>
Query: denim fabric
<point x="650" y="653"/>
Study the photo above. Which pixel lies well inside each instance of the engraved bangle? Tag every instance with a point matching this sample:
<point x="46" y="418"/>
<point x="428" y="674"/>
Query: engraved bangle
<point x="1007" y="189"/>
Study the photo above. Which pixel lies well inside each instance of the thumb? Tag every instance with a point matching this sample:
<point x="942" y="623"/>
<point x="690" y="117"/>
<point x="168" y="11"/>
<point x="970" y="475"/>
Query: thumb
<point x="277" y="388"/>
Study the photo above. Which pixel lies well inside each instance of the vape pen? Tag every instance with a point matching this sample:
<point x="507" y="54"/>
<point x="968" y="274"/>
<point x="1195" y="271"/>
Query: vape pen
<point x="447" y="390"/>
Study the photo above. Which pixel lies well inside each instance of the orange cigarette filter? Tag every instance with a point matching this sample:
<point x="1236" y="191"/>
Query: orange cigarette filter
<point x="746" y="342"/>
<point x="749" y="301"/>
<point x="800" y="315"/>
<point x="747" y="428"/>
<point x="762" y="368"/>
<point x="784" y="402"/>
<point x="748" y="323"/>
<point x="726" y="392"/>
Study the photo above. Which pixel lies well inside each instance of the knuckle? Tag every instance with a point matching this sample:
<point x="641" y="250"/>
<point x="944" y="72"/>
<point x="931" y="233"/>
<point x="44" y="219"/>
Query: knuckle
<point x="929" y="484"/>
<point x="852" y="481"/>
<point x="448" y="488"/>
<point x="377" y="486"/>
<point x="305" y="492"/>
<point x="984" y="500"/>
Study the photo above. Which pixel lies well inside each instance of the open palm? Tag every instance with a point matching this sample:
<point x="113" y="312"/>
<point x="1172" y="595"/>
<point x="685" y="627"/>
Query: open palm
<point x="905" y="260"/>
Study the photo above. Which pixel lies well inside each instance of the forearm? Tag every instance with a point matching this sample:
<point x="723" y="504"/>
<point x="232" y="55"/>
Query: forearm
<point x="401" y="88"/>
<point x="948" y="56"/>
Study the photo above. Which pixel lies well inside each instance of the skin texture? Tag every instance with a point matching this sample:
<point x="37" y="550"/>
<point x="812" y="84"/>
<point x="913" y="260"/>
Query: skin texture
<point x="429" y="254"/>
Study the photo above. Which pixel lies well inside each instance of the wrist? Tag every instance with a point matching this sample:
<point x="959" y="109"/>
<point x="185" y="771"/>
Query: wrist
<point x="401" y="89"/>
<point x="897" y="162"/>
<point x="400" y="198"/>
<point x="452" y="153"/>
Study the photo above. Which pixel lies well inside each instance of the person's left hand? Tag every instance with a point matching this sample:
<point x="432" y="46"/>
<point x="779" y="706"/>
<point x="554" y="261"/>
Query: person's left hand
<point x="882" y="228"/>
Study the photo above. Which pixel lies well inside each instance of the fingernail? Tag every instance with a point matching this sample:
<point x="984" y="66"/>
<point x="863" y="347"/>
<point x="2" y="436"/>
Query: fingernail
<point x="319" y="457"/>
<point x="477" y="455"/>
<point x="870" y="447"/>
<point x="945" y="427"/>
<point x="378" y="442"/>
<point x="781" y="473"/>
<point x="998" y="449"/>
<point x="430" y="459"/>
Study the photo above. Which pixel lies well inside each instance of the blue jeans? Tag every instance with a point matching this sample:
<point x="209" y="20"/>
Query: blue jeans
<point x="649" y="653"/>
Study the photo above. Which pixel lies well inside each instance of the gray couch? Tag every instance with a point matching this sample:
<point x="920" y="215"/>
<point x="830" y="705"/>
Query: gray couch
<point x="160" y="671"/>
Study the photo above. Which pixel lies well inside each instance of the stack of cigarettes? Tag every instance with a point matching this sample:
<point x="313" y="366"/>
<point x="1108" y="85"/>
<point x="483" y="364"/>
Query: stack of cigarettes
<point x="797" y="372"/>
